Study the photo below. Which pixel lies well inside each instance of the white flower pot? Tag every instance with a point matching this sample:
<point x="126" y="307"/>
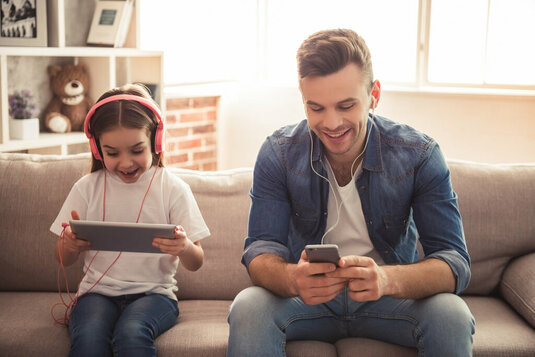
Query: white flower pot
<point x="24" y="129"/>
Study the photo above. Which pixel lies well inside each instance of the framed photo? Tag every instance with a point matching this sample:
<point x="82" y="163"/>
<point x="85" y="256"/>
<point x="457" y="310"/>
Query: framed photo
<point x="23" y="23"/>
<point x="109" y="22"/>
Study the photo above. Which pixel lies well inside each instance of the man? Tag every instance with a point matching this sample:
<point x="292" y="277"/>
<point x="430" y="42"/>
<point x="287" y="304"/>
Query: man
<point x="371" y="186"/>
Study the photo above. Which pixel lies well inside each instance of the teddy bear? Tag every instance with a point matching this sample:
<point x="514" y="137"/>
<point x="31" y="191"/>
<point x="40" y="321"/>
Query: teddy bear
<point x="70" y="102"/>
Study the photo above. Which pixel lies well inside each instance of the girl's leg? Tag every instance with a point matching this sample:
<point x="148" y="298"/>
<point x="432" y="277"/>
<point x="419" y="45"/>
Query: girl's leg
<point x="144" y="319"/>
<point x="91" y="325"/>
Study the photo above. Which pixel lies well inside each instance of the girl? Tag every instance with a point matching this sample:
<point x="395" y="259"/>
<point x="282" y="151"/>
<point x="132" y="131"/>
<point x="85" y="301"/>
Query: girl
<point x="125" y="300"/>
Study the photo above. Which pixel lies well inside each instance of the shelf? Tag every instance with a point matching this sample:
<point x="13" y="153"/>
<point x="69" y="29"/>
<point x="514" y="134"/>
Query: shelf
<point x="78" y="52"/>
<point x="25" y="68"/>
<point x="45" y="140"/>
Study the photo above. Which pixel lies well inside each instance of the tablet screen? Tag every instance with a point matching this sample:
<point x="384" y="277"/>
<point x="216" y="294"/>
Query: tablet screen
<point x="122" y="236"/>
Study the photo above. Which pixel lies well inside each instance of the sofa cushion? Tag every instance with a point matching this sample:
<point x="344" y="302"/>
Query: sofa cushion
<point x="224" y="202"/>
<point x="32" y="191"/>
<point x="499" y="330"/>
<point x="515" y="290"/>
<point x="497" y="217"/>
<point x="27" y="329"/>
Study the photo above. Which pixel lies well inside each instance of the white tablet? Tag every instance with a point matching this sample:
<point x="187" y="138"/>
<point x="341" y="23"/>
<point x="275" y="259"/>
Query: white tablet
<point x="122" y="236"/>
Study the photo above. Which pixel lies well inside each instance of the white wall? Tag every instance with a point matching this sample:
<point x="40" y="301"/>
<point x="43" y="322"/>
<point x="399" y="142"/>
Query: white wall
<point x="484" y="128"/>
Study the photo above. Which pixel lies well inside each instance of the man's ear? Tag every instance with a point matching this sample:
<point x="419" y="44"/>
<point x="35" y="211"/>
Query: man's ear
<point x="375" y="95"/>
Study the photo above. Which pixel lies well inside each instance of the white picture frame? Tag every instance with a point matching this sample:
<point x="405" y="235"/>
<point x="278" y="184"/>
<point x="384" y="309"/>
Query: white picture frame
<point x="106" y="24"/>
<point x="23" y="23"/>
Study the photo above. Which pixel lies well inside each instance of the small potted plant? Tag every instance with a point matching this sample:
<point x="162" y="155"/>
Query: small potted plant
<point x="23" y="123"/>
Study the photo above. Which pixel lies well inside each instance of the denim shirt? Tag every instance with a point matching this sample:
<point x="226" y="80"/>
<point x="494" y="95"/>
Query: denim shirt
<point x="404" y="188"/>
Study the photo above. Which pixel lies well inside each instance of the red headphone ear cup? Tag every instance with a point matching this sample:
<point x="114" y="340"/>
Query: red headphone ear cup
<point x="159" y="138"/>
<point x="94" y="148"/>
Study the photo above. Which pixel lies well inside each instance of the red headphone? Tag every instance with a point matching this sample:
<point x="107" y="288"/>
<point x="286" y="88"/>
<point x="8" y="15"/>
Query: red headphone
<point x="160" y="132"/>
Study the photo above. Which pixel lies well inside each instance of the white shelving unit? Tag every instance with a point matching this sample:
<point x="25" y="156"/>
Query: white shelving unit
<point x="26" y="68"/>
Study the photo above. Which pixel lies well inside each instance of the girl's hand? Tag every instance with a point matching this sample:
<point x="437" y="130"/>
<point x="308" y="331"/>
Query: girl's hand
<point x="176" y="246"/>
<point x="72" y="244"/>
<point x="68" y="247"/>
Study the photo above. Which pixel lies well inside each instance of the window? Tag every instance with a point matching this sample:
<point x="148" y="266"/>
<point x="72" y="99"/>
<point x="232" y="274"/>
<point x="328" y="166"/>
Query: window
<point x="202" y="40"/>
<point x="482" y="42"/>
<point x="389" y="27"/>
<point x="476" y="43"/>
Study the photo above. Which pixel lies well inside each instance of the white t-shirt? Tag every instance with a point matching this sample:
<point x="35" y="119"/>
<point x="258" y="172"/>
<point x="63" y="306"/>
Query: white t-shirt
<point x="350" y="233"/>
<point x="169" y="201"/>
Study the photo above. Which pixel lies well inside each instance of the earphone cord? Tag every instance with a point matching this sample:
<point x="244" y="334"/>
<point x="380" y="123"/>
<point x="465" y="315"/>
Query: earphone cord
<point x="338" y="206"/>
<point x="69" y="306"/>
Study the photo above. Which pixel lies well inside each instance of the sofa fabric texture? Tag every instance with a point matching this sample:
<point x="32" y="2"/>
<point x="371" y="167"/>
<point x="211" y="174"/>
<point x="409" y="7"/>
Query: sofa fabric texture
<point x="497" y="204"/>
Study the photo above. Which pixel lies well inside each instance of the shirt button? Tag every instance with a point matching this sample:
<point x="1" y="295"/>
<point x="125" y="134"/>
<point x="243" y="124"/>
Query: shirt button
<point x="370" y="222"/>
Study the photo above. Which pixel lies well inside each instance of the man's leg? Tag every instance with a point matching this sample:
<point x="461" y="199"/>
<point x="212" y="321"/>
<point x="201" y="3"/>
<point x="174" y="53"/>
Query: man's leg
<point x="259" y="322"/>
<point x="440" y="325"/>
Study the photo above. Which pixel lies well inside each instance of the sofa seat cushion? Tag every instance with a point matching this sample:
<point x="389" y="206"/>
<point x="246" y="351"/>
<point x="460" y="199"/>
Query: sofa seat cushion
<point x="27" y="329"/>
<point x="500" y="331"/>
<point x="201" y="330"/>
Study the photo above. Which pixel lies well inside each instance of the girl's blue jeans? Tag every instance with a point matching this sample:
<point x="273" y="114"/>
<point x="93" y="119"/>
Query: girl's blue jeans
<point x="124" y="325"/>
<point x="261" y="322"/>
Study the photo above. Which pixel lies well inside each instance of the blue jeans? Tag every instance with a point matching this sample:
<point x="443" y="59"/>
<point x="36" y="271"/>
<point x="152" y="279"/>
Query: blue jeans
<point x="124" y="325"/>
<point x="261" y="322"/>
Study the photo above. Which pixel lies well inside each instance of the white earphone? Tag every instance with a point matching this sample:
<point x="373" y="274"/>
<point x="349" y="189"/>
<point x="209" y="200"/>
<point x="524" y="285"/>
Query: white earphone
<point x="339" y="206"/>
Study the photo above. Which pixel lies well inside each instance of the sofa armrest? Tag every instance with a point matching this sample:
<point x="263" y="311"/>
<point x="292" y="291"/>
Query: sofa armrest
<point x="518" y="288"/>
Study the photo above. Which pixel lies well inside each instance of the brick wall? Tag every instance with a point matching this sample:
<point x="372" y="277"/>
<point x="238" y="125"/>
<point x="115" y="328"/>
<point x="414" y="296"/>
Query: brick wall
<point x="191" y="141"/>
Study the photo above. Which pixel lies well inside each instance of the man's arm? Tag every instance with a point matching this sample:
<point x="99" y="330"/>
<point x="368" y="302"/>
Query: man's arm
<point x="368" y="281"/>
<point x="303" y="279"/>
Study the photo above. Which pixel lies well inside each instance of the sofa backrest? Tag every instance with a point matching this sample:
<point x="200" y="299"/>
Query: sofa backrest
<point x="497" y="204"/>
<point x="496" y="201"/>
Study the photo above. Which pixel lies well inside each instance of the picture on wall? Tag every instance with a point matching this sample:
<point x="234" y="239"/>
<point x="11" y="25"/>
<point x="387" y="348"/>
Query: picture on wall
<point x="110" y="23"/>
<point x="23" y="23"/>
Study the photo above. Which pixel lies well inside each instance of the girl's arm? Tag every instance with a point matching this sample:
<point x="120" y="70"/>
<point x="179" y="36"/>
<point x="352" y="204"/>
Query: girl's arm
<point x="68" y="247"/>
<point x="192" y="257"/>
<point x="191" y="254"/>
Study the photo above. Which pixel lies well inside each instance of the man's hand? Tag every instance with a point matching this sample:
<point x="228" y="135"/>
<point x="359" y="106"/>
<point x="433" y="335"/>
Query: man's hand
<point x="367" y="280"/>
<point x="313" y="282"/>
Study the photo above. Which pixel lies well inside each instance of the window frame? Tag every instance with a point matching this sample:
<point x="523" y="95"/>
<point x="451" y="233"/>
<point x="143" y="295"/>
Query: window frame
<point x="422" y="76"/>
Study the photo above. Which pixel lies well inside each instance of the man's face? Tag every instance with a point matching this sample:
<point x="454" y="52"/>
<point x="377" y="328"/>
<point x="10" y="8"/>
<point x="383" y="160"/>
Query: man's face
<point x="337" y="110"/>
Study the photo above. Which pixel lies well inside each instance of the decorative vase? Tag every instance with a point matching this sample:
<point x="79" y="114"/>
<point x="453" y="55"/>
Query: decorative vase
<point x="24" y="129"/>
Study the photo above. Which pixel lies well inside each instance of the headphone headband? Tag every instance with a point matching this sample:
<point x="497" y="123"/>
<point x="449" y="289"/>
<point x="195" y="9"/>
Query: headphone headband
<point x="158" y="138"/>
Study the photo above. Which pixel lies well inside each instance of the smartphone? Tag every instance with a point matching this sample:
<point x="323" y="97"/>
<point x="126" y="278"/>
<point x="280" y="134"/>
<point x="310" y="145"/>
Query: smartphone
<point x="323" y="253"/>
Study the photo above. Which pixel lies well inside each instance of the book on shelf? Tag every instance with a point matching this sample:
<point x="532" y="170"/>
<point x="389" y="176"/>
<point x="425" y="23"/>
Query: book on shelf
<point x="110" y="23"/>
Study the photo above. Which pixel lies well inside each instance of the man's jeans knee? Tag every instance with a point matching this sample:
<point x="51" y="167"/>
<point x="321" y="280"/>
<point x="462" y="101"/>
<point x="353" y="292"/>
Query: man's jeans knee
<point x="261" y="322"/>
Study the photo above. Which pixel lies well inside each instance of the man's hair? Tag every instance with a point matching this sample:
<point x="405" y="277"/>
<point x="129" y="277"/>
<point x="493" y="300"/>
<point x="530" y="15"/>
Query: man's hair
<point x="127" y="114"/>
<point x="328" y="51"/>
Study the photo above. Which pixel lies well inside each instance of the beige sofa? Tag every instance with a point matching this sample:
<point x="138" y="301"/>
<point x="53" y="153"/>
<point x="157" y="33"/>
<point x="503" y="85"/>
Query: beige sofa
<point x="497" y="204"/>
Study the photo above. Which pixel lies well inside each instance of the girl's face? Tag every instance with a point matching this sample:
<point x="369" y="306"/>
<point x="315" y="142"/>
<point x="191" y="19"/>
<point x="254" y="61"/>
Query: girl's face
<point x="126" y="152"/>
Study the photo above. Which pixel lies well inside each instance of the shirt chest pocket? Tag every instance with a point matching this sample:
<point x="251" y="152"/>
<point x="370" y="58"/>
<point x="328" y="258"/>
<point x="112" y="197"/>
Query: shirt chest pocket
<point x="305" y="220"/>
<point x="395" y="227"/>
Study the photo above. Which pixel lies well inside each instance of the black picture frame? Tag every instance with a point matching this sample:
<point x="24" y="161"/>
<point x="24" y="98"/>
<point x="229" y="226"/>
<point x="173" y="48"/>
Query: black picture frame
<point x="23" y="23"/>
